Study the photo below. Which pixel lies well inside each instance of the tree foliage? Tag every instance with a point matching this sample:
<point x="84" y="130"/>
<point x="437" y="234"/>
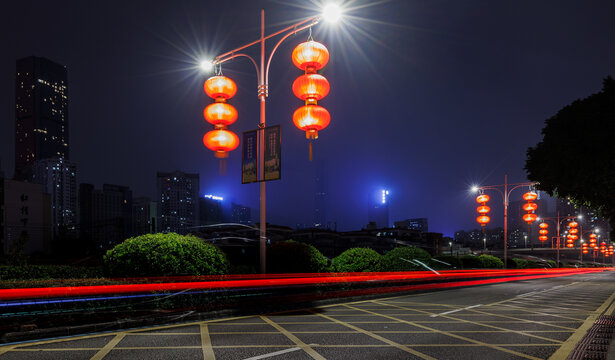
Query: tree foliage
<point x="164" y="255"/>
<point x="399" y="259"/>
<point x="357" y="260"/>
<point x="295" y="257"/>
<point x="576" y="157"/>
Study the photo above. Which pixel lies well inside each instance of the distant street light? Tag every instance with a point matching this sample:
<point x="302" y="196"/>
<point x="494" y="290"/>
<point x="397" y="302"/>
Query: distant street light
<point x="505" y="192"/>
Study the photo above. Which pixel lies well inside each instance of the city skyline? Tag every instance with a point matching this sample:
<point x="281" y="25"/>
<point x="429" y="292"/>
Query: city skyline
<point x="136" y="100"/>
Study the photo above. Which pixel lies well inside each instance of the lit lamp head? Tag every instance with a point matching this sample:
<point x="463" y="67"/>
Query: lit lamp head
<point x="332" y="13"/>
<point x="206" y="65"/>
<point x="474" y="189"/>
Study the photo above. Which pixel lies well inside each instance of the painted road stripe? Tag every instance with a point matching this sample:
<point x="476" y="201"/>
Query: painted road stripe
<point x="274" y="354"/>
<point x="453" y="311"/>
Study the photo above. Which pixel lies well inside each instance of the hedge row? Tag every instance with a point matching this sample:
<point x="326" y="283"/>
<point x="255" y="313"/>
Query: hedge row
<point x="31" y="272"/>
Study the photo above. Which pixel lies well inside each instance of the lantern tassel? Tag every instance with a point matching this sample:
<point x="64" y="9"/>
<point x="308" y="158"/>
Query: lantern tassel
<point x="311" y="151"/>
<point x="222" y="167"/>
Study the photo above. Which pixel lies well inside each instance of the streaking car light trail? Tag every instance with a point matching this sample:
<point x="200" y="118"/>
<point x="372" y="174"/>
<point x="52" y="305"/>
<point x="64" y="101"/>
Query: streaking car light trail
<point x="285" y="280"/>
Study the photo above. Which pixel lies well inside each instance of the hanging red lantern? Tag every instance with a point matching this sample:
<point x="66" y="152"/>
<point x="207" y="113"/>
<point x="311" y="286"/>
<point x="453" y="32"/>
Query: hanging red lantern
<point x="573" y="236"/>
<point x="311" y="87"/>
<point x="543" y="238"/>
<point x="543" y="225"/>
<point x="311" y="119"/>
<point x="221" y="141"/>
<point x="573" y="230"/>
<point x="483" y="220"/>
<point x="529" y="218"/>
<point x="573" y="224"/>
<point x="593" y="236"/>
<point x="483" y="209"/>
<point x="543" y="231"/>
<point x="220" y="87"/>
<point x="310" y="56"/>
<point x="570" y="245"/>
<point x="482" y="198"/>
<point x="530" y="196"/>
<point x="220" y="114"/>
<point x="592" y="245"/>
<point x="530" y="206"/>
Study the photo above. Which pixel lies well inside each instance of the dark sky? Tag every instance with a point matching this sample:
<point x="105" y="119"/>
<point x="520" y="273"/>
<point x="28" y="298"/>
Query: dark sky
<point x="427" y="97"/>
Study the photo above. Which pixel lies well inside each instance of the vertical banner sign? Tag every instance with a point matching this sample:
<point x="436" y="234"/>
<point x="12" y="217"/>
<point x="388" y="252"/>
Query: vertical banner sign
<point x="273" y="153"/>
<point x="249" y="157"/>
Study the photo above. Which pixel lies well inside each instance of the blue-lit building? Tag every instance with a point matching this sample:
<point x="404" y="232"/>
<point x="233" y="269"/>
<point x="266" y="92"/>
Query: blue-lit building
<point x="420" y="224"/>
<point x="378" y="209"/>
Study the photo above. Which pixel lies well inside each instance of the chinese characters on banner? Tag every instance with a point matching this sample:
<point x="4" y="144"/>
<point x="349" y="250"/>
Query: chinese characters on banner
<point x="272" y="157"/>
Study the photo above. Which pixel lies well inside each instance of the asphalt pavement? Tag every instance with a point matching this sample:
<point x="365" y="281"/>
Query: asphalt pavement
<point x="531" y="319"/>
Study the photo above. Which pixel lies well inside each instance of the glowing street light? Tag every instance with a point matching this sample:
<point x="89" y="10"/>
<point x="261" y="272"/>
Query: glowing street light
<point x="505" y="192"/>
<point x="331" y="13"/>
<point x="206" y="65"/>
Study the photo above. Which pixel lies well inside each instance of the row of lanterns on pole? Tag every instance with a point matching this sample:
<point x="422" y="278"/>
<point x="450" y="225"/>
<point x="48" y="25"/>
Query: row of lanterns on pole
<point x="572" y="234"/>
<point x="530" y="207"/>
<point x="311" y="87"/>
<point x="483" y="210"/>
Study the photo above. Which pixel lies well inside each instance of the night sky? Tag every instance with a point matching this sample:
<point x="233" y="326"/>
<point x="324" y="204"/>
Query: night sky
<point x="427" y="97"/>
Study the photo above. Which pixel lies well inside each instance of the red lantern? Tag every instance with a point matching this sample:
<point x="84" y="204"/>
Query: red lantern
<point x="530" y="196"/>
<point x="543" y="238"/>
<point x="311" y="87"/>
<point x="482" y="198"/>
<point x="530" y="206"/>
<point x="570" y="245"/>
<point x="221" y="141"/>
<point x="593" y="236"/>
<point x="573" y="237"/>
<point x="483" y="220"/>
<point x="573" y="230"/>
<point x="529" y="218"/>
<point x="220" y="87"/>
<point x="592" y="245"/>
<point x="585" y="252"/>
<point x="543" y="231"/>
<point x="311" y="119"/>
<point x="310" y="56"/>
<point x="573" y="224"/>
<point x="220" y="114"/>
<point x="543" y="225"/>
<point x="484" y="209"/>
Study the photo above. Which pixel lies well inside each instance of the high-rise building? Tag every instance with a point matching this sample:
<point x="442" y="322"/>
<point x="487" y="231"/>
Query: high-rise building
<point x="241" y="214"/>
<point x="210" y="210"/>
<point x="59" y="179"/>
<point x="378" y="208"/>
<point x="106" y="215"/>
<point x="24" y="218"/>
<point x="41" y="113"/>
<point x="177" y="197"/>
<point x="144" y="216"/>
<point x="420" y="224"/>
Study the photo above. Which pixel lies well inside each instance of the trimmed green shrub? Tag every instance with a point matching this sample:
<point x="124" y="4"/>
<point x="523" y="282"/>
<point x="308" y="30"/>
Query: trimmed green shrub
<point x="165" y="255"/>
<point x="32" y="272"/>
<point x="491" y="262"/>
<point x="399" y="258"/>
<point x="357" y="260"/>
<point x="551" y="263"/>
<point x="295" y="257"/>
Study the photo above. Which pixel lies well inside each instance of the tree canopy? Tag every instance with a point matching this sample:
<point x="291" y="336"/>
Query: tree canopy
<point x="576" y="157"/>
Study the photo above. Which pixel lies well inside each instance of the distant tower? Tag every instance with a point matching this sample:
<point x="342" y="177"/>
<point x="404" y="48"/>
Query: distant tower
<point x="378" y="208"/>
<point x="178" y="201"/>
<point x="41" y="113"/>
<point x="320" y="196"/>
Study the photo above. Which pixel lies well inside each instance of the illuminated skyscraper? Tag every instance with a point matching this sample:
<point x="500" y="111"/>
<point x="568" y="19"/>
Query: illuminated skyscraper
<point x="41" y="113"/>
<point x="178" y="201"/>
<point x="378" y="208"/>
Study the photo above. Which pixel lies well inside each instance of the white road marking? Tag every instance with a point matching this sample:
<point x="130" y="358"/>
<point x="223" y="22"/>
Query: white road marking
<point x="526" y="294"/>
<point x="453" y="311"/>
<point x="274" y="354"/>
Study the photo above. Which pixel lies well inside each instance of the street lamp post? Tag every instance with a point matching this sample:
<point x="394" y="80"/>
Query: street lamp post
<point x="558" y="220"/>
<point x="504" y="190"/>
<point x="331" y="13"/>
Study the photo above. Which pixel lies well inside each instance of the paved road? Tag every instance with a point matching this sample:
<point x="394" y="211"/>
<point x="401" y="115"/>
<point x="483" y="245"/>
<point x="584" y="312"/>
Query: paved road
<point x="532" y="319"/>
